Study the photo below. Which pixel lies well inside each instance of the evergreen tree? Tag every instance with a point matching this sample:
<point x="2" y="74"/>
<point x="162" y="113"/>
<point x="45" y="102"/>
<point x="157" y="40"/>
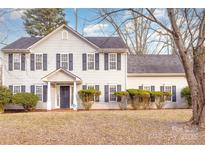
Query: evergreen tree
<point x="41" y="21"/>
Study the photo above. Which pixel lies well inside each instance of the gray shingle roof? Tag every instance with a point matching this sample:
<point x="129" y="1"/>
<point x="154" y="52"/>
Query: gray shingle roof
<point x="101" y="42"/>
<point x="22" y="43"/>
<point x="154" y="64"/>
<point x="107" y="42"/>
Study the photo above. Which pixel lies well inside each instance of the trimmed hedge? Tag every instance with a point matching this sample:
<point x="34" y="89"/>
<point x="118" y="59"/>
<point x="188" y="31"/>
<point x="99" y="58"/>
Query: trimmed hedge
<point x="87" y="97"/>
<point x="185" y="93"/>
<point x="27" y="100"/>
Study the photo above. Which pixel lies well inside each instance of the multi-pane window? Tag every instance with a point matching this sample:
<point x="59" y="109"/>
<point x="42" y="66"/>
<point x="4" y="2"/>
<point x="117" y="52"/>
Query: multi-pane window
<point x="64" y="61"/>
<point x="147" y="88"/>
<point x="39" y="61"/>
<point x="17" y="61"/>
<point x="168" y="89"/>
<point x="113" y="61"/>
<point x="16" y="89"/>
<point x="39" y="92"/>
<point x="91" y="87"/>
<point x="91" y="61"/>
<point x="112" y="91"/>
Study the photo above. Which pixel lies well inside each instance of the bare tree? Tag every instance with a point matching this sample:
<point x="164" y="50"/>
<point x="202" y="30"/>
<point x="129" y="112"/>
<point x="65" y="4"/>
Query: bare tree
<point x="187" y="30"/>
<point x="136" y="31"/>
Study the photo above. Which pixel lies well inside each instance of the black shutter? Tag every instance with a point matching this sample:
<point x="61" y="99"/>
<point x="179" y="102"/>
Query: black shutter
<point x="97" y="61"/>
<point x="106" y="93"/>
<point x="70" y="61"/>
<point x="119" y="61"/>
<point x="174" y="97"/>
<point x="45" y="89"/>
<point x="11" y="88"/>
<point x="33" y="89"/>
<point x="23" y="61"/>
<point x="45" y="61"/>
<point x="106" y="61"/>
<point x="152" y="97"/>
<point x="57" y="61"/>
<point x="10" y="60"/>
<point x="23" y="88"/>
<point x="84" y="87"/>
<point x="97" y="87"/>
<point x="140" y="87"/>
<point x="119" y="89"/>
<point x="84" y="61"/>
<point x="32" y="62"/>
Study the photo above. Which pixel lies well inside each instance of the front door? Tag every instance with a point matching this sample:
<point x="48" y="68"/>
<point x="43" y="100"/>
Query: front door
<point x="64" y="97"/>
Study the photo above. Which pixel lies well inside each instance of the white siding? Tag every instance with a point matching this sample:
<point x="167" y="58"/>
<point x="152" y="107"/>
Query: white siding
<point x="54" y="44"/>
<point x="179" y="82"/>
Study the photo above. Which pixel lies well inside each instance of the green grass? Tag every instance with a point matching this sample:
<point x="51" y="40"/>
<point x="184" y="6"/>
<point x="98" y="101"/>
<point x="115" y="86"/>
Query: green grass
<point x="99" y="127"/>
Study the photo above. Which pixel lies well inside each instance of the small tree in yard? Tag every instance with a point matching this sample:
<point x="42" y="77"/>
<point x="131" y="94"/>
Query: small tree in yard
<point x="122" y="99"/>
<point x="27" y="100"/>
<point x="5" y="97"/>
<point x="87" y="96"/>
<point x="160" y="98"/>
<point x="187" y="95"/>
<point x="139" y="98"/>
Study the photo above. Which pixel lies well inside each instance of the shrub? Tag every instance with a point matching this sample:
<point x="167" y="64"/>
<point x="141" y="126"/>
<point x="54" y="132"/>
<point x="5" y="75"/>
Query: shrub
<point x="185" y="93"/>
<point x="139" y="98"/>
<point x="27" y="100"/>
<point x="87" y="96"/>
<point x="122" y="99"/>
<point x="5" y="97"/>
<point x="160" y="98"/>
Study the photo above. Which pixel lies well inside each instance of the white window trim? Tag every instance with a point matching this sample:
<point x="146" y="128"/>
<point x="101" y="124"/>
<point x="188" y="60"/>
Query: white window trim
<point x="147" y="86"/>
<point x="63" y="53"/>
<point x="35" y="61"/>
<point x="170" y="92"/>
<point x="93" y="61"/>
<point x="13" y="62"/>
<point x="109" y="61"/>
<point x="64" y="35"/>
<point x="16" y="86"/>
<point x="41" y="93"/>
<point x="109" y="92"/>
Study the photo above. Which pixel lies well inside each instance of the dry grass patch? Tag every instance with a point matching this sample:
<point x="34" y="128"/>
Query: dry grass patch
<point x="99" y="127"/>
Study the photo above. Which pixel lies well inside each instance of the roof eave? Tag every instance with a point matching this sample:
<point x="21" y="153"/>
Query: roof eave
<point x="15" y="50"/>
<point x="156" y="74"/>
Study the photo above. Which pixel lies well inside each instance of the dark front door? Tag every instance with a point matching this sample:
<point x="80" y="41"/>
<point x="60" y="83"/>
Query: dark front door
<point x="64" y="97"/>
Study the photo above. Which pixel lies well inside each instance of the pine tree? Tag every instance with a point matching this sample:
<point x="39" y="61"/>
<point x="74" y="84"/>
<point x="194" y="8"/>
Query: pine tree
<point x="41" y="21"/>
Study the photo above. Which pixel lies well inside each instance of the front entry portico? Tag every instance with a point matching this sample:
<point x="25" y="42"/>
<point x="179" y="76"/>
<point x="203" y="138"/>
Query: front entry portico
<point x="62" y="89"/>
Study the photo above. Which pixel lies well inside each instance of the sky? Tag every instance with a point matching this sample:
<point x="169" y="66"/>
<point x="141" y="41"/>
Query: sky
<point x="12" y="28"/>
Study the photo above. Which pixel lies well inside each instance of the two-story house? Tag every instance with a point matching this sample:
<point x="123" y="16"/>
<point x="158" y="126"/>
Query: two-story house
<point x="57" y="66"/>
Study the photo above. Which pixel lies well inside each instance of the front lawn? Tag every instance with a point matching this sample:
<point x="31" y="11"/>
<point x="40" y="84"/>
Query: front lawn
<point x="99" y="127"/>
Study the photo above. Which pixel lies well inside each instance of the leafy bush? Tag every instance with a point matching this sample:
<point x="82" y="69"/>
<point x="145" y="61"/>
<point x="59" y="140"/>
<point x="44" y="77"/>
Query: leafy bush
<point x="87" y="96"/>
<point x="139" y="98"/>
<point x="5" y="97"/>
<point x="185" y="93"/>
<point x="27" y="100"/>
<point x="122" y="99"/>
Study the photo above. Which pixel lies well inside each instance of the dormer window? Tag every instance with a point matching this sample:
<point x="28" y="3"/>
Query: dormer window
<point x="64" y="35"/>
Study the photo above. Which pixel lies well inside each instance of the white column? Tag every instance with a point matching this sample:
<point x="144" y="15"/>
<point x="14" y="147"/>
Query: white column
<point x="49" y="96"/>
<point x="75" y="104"/>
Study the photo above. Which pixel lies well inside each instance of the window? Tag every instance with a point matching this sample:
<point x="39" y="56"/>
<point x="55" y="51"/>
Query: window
<point x="168" y="89"/>
<point x="39" y="61"/>
<point x="91" y="61"/>
<point x="16" y="89"/>
<point x="64" y="61"/>
<point x="147" y="88"/>
<point x="64" y="35"/>
<point x="113" y="61"/>
<point x="39" y="92"/>
<point x="112" y="91"/>
<point x="91" y="87"/>
<point x="17" y="61"/>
